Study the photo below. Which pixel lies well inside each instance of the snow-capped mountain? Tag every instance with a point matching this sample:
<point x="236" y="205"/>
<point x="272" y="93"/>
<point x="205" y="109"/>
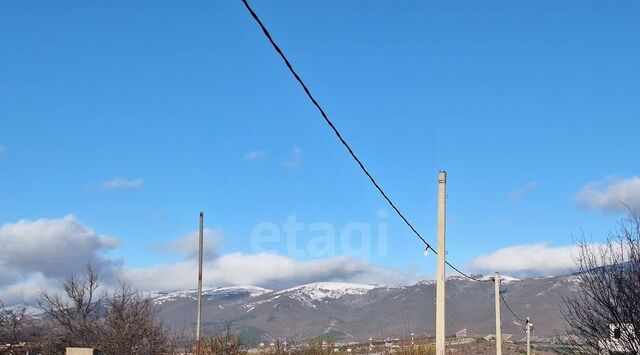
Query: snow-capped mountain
<point x="321" y="290"/>
<point x="345" y="311"/>
<point x="504" y="279"/>
<point x="210" y="293"/>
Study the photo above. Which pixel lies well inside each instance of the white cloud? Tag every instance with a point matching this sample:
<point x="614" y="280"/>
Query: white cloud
<point x="522" y="191"/>
<point x="264" y="269"/>
<point x="295" y="160"/>
<point x="188" y="245"/>
<point x="27" y="291"/>
<point x="611" y="195"/>
<point x="527" y="260"/>
<point x="253" y="155"/>
<point x="39" y="253"/>
<point x="122" y="184"/>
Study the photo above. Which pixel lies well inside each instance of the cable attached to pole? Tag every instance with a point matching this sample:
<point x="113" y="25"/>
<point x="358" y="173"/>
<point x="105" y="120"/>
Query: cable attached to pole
<point x="350" y="150"/>
<point x="342" y="140"/>
<point x="464" y="274"/>
<point x="333" y="127"/>
<point x="509" y="308"/>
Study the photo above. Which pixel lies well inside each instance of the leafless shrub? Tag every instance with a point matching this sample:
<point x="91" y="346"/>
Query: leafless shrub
<point x="316" y="347"/>
<point x="20" y="333"/>
<point x="608" y="282"/>
<point x="225" y="343"/>
<point x="76" y="314"/>
<point x="123" y="322"/>
<point x="14" y="329"/>
<point x="129" y="325"/>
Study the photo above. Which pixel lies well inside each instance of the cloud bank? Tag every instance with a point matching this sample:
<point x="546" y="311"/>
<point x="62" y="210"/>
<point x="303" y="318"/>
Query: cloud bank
<point x="187" y="246"/>
<point x="266" y="270"/>
<point x="40" y="254"/>
<point x="611" y="195"/>
<point x="527" y="260"/>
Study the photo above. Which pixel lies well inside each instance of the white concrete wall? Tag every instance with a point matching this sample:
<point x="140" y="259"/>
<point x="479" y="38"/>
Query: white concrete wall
<point x="79" y="351"/>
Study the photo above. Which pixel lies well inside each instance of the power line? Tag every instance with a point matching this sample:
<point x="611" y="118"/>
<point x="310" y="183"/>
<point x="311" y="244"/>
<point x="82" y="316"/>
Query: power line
<point x="509" y="308"/>
<point x="463" y="274"/>
<point x="458" y="270"/>
<point x="333" y="127"/>
<point x="345" y="144"/>
<point x="479" y="280"/>
<point x="352" y="153"/>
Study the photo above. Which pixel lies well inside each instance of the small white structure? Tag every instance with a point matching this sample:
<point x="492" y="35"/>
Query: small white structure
<point x="505" y="337"/>
<point x="461" y="333"/>
<point x="82" y="351"/>
<point x="618" y="342"/>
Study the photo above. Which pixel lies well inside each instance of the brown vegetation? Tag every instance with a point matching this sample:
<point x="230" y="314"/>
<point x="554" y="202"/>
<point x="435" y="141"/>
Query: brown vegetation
<point x="225" y="343"/>
<point x="121" y="322"/>
<point x="608" y="294"/>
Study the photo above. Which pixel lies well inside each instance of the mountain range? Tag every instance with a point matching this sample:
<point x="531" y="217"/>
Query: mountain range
<point x="354" y="312"/>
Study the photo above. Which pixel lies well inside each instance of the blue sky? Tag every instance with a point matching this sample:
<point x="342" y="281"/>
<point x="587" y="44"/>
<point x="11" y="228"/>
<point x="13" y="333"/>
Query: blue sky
<point x="538" y="97"/>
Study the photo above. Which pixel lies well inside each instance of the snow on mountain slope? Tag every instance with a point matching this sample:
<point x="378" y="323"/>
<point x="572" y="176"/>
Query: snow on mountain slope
<point x="253" y="291"/>
<point x="311" y="294"/>
<point x="323" y="290"/>
<point x="503" y="278"/>
<point x="361" y="311"/>
<point x="210" y="293"/>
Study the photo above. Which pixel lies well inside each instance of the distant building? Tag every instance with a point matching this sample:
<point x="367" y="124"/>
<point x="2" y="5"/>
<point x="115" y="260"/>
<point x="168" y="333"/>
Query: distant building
<point x="461" y="333"/>
<point x="506" y="338"/>
<point x="619" y="335"/>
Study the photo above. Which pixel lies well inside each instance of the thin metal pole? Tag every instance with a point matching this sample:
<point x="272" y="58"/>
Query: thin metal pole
<point x="440" y="268"/>
<point x="200" y="253"/>
<point x="528" y="337"/>
<point x="496" y="280"/>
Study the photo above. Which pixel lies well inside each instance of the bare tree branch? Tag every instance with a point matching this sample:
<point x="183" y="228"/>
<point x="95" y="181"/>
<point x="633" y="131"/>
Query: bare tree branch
<point x="608" y="293"/>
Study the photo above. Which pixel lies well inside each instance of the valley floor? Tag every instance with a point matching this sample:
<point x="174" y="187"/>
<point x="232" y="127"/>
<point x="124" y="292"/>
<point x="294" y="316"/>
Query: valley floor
<point x="469" y="347"/>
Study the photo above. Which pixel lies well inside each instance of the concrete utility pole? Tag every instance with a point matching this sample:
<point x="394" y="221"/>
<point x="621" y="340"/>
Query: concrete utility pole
<point x="200" y="252"/>
<point x="528" y="329"/>
<point x="440" y="272"/>
<point x="496" y="280"/>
